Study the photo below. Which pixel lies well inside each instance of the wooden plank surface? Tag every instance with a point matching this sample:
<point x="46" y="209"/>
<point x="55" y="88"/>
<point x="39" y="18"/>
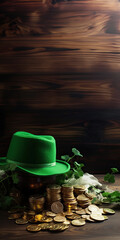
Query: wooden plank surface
<point x="106" y="230"/>
<point x="59" y="74"/>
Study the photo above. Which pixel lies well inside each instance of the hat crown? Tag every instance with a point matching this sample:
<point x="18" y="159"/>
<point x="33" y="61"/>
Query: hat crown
<point x="32" y="150"/>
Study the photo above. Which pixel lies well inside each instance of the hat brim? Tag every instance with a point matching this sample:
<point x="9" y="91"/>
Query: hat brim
<point x="61" y="167"/>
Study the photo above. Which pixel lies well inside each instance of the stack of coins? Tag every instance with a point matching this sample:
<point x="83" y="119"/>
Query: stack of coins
<point x="36" y="203"/>
<point x="53" y="194"/>
<point x="79" y="189"/>
<point x="68" y="196"/>
<point x="83" y="201"/>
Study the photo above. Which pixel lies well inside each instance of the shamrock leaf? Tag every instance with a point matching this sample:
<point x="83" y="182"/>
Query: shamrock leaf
<point x="65" y="157"/>
<point x="76" y="152"/>
<point x="109" y="178"/>
<point x="69" y="174"/>
<point x="114" y="170"/>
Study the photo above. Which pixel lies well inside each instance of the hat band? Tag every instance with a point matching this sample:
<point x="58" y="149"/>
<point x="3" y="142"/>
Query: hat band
<point x="42" y="165"/>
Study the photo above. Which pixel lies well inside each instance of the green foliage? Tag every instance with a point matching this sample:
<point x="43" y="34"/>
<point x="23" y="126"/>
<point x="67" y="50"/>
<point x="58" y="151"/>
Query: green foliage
<point x="8" y="177"/>
<point x="114" y="170"/>
<point x="76" y="152"/>
<point x="75" y="171"/>
<point x="109" y="177"/>
<point x="65" y="157"/>
<point x="94" y="200"/>
<point x="112" y="197"/>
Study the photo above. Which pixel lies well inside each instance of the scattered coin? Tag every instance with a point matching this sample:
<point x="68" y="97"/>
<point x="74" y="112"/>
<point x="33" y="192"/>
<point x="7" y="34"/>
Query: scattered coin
<point x="74" y="216"/>
<point x="80" y="212"/>
<point x="66" y="222"/>
<point x="21" y="221"/>
<point x="105" y="217"/>
<point x="68" y="213"/>
<point x="50" y="214"/>
<point x="89" y="219"/>
<point x="78" y="222"/>
<point x="97" y="217"/>
<point x="33" y="228"/>
<point x="58" y="227"/>
<point x="44" y="226"/>
<point x="87" y="211"/>
<point x="47" y="219"/>
<point x="93" y="207"/>
<point x="108" y="211"/>
<point x="59" y="219"/>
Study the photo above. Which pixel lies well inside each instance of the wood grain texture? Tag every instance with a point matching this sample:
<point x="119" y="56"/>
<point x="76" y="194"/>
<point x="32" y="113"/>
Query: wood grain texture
<point x="59" y="74"/>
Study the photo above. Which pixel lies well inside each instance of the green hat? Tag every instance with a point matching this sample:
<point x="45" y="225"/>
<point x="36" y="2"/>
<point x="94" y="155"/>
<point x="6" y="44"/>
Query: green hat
<point x="35" y="154"/>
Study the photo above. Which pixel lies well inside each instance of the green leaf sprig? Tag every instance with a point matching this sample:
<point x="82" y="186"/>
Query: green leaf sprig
<point x="8" y="177"/>
<point x="109" y="177"/>
<point x="112" y="197"/>
<point x="67" y="158"/>
<point x="76" y="171"/>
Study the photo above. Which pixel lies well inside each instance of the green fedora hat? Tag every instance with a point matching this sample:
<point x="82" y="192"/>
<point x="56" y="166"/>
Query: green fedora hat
<point x="35" y="154"/>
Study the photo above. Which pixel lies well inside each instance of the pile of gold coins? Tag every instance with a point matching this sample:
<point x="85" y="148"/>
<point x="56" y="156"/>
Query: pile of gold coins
<point x="48" y="220"/>
<point x="83" y="201"/>
<point x="79" y="189"/>
<point x="68" y="196"/>
<point x="53" y="194"/>
<point x="62" y="207"/>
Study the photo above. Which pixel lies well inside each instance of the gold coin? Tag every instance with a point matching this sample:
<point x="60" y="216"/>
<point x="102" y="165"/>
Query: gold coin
<point x="58" y="227"/>
<point x="93" y="207"/>
<point x="38" y="217"/>
<point x="66" y="222"/>
<point x="47" y="219"/>
<point x="87" y="211"/>
<point x="105" y="217"/>
<point x="108" y="211"/>
<point x="89" y="219"/>
<point x="74" y="216"/>
<point x="57" y="207"/>
<point x="59" y="219"/>
<point x="81" y="212"/>
<point x="68" y="213"/>
<point x="13" y="216"/>
<point x="90" y="195"/>
<point x="33" y="228"/>
<point x="78" y="222"/>
<point x="84" y="216"/>
<point x="97" y="216"/>
<point x="21" y="221"/>
<point x="44" y="226"/>
<point x="82" y="198"/>
<point x="50" y="214"/>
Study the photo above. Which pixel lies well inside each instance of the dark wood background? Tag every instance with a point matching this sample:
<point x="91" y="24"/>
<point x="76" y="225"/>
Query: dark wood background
<point x="60" y="75"/>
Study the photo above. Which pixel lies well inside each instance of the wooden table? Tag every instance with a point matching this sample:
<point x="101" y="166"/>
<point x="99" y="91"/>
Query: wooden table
<point x="107" y="230"/>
